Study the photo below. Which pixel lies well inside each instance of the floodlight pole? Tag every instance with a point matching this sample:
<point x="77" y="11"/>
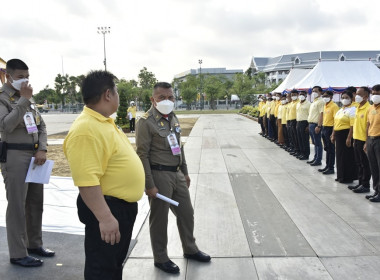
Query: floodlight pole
<point x="104" y="31"/>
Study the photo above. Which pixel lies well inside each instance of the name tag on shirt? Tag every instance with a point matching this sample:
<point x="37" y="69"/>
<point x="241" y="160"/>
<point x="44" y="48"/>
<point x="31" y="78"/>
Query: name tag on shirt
<point x="172" y="139"/>
<point x="30" y="125"/>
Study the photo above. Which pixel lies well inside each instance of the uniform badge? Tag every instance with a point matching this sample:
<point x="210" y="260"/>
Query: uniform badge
<point x="161" y="123"/>
<point x="178" y="129"/>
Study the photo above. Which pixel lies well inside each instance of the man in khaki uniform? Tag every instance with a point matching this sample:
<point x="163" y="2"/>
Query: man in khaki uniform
<point x="25" y="200"/>
<point x="166" y="173"/>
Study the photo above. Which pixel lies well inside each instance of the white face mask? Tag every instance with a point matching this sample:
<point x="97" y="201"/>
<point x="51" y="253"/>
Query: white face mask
<point x="346" y="102"/>
<point x="294" y="98"/>
<point x="314" y="95"/>
<point x="16" y="84"/>
<point x="260" y="100"/>
<point x="277" y="98"/>
<point x="326" y="99"/>
<point x="165" y="107"/>
<point x="302" y="97"/>
<point x="358" y="99"/>
<point x="375" y="99"/>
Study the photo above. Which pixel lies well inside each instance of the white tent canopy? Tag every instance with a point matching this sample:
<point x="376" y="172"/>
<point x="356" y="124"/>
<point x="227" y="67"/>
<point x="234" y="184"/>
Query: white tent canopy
<point x="341" y="74"/>
<point x="295" y="75"/>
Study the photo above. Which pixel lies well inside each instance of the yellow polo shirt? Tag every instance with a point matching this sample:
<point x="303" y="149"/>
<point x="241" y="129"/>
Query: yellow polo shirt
<point x="344" y="118"/>
<point x="316" y="109"/>
<point x="329" y="112"/>
<point x="268" y="108"/>
<point x="273" y="107"/>
<point x="278" y="103"/>
<point x="284" y="113"/>
<point x="355" y="104"/>
<point x="132" y="109"/>
<point x="263" y="109"/>
<point x="279" y="112"/>
<point x="302" y="111"/>
<point x="374" y="120"/>
<point x="360" y="122"/>
<point x="292" y="110"/>
<point x="99" y="153"/>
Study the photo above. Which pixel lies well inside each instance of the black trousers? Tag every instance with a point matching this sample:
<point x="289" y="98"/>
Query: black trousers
<point x="105" y="261"/>
<point x="285" y="133"/>
<point x="289" y="132"/>
<point x="362" y="163"/>
<point x="329" y="147"/>
<point x="273" y="121"/>
<point x="345" y="159"/>
<point x="373" y="152"/>
<point x="261" y="122"/>
<point x="303" y="138"/>
<point x="132" y="124"/>
<point x="293" y="132"/>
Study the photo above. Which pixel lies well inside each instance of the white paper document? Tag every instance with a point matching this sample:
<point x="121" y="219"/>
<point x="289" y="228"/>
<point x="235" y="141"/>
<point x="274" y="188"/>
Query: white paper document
<point x="39" y="174"/>
<point x="167" y="199"/>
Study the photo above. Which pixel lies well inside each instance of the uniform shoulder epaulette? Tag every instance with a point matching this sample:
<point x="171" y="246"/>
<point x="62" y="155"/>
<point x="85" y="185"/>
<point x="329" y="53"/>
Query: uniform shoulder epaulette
<point x="145" y="116"/>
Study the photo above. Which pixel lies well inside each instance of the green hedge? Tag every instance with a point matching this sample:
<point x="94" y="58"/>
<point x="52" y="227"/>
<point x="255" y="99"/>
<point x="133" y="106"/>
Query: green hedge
<point x="250" y="110"/>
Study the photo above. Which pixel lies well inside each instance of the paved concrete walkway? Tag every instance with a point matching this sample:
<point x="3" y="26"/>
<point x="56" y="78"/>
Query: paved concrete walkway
<point x="259" y="212"/>
<point x="263" y="214"/>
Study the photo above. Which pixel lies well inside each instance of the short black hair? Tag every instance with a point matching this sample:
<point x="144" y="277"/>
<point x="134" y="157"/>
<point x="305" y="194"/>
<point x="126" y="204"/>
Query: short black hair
<point x="294" y="91"/>
<point x="318" y="88"/>
<point x="329" y="92"/>
<point x="349" y="93"/>
<point x="15" y="64"/>
<point x="162" y="85"/>
<point x="366" y="90"/>
<point x="351" y="89"/>
<point x="302" y="92"/>
<point x="95" y="84"/>
<point x="376" y="87"/>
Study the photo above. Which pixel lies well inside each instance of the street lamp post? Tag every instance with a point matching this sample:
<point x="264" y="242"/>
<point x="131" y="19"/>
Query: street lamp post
<point x="104" y="31"/>
<point x="200" y="81"/>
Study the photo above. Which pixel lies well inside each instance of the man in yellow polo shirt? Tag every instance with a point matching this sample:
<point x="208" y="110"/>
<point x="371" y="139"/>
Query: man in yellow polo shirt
<point x="132" y="116"/>
<point x="315" y="120"/>
<point x="373" y="142"/>
<point x="329" y="112"/>
<point x="292" y="115"/>
<point x="110" y="177"/>
<point x="261" y="114"/>
<point x="302" y="113"/>
<point x="360" y="137"/>
<point x="277" y="105"/>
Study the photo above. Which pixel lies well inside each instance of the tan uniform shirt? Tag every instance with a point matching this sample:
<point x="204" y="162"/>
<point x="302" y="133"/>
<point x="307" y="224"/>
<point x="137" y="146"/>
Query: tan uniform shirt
<point x="302" y="112"/>
<point x="12" y="125"/>
<point x="153" y="146"/>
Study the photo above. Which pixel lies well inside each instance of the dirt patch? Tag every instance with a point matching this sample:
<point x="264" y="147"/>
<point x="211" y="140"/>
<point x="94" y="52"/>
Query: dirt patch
<point x="61" y="166"/>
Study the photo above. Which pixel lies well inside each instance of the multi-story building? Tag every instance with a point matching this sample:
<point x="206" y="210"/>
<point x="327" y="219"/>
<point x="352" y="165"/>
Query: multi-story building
<point x="208" y="71"/>
<point x="277" y="68"/>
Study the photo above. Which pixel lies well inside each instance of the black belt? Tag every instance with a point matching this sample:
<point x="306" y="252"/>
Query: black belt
<point x="313" y="123"/>
<point x="165" y="168"/>
<point x="14" y="146"/>
<point x="112" y="198"/>
<point x="373" y="137"/>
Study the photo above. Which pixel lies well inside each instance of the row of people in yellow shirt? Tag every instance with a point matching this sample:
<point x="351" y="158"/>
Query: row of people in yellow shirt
<point x="351" y="134"/>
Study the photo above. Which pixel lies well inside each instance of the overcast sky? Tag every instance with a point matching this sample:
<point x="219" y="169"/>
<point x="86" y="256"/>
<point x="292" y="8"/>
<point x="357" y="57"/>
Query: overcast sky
<point x="169" y="36"/>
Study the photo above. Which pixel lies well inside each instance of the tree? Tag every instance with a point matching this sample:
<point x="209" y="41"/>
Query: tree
<point x="47" y="94"/>
<point x="61" y="86"/>
<point x="242" y="87"/>
<point x="146" y="80"/>
<point x="188" y="89"/>
<point x="127" y="92"/>
<point x="213" y="87"/>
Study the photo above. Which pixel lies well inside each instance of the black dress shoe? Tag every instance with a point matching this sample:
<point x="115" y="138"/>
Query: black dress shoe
<point x="353" y="187"/>
<point x="316" y="163"/>
<point x="361" y="189"/>
<point x="27" y="261"/>
<point x="169" y="267"/>
<point x="328" y="172"/>
<point x="375" y="198"/>
<point x="371" y="195"/>
<point x="42" y="252"/>
<point x="310" y="161"/>
<point x="304" y="158"/>
<point x="199" y="256"/>
<point x="323" y="169"/>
